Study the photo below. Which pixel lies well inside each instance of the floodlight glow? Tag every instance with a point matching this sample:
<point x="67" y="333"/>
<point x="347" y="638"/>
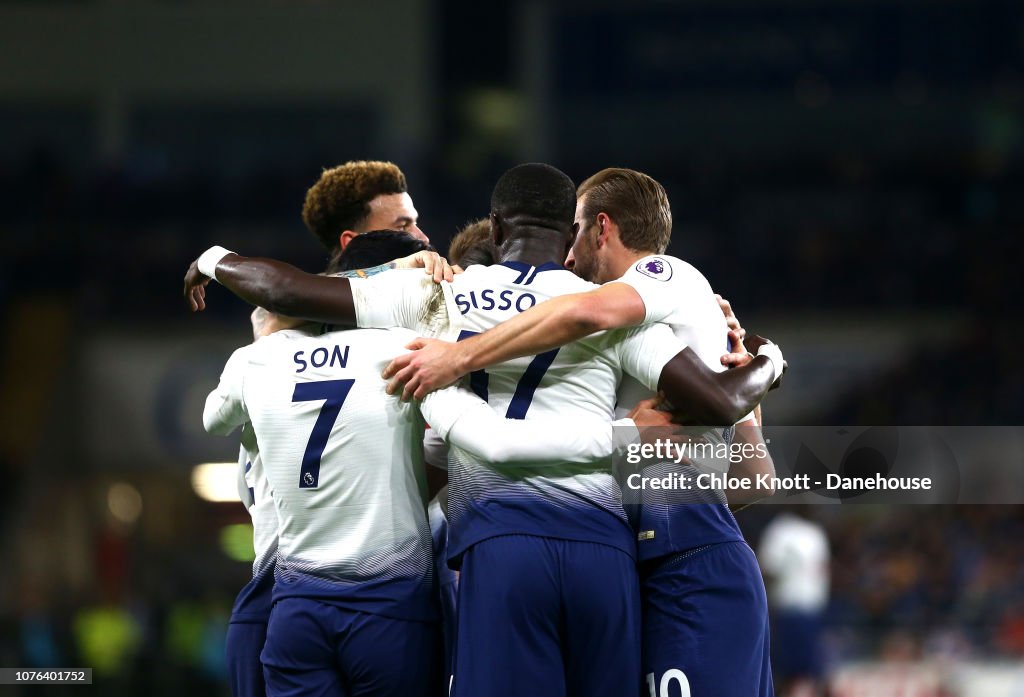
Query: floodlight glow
<point x="236" y="542"/>
<point x="216" y="481"/>
<point x="124" y="502"/>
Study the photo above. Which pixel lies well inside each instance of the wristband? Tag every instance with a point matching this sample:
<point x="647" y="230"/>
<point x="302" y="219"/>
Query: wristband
<point x="208" y="260"/>
<point x="773" y="353"/>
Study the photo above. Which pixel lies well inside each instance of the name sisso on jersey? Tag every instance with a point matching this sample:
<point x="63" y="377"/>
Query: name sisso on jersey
<point x="491" y="299"/>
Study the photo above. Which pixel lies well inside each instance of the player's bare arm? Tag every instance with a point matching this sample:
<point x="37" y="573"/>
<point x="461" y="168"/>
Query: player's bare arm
<point x="750" y="468"/>
<point x="278" y="287"/>
<point x="706" y="398"/>
<point x="286" y="290"/>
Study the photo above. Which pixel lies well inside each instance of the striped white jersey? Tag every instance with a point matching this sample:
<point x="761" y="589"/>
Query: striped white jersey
<point x="344" y="461"/>
<point x="554" y="498"/>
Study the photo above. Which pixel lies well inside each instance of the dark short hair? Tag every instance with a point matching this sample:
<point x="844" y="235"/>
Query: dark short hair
<point x="535" y="194"/>
<point x="340" y="200"/>
<point x="375" y="248"/>
<point x="637" y="203"/>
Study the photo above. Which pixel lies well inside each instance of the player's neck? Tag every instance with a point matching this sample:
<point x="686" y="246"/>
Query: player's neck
<point x="624" y="260"/>
<point x="533" y="249"/>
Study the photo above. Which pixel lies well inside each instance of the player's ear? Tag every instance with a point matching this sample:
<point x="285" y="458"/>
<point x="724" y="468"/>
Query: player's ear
<point x="497" y="231"/>
<point x="604" y="224"/>
<point x="347" y="237"/>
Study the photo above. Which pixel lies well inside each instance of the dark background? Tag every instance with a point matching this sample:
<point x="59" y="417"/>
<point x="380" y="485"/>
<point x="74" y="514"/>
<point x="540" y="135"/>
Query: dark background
<point x="847" y="172"/>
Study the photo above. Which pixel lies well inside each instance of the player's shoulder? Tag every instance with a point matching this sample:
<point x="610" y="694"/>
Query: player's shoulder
<point x="397" y="281"/>
<point x="243" y="355"/>
<point x="282" y="338"/>
<point x="667" y="268"/>
<point x="366" y="335"/>
<point x="571" y="282"/>
<point x="344" y="348"/>
<point x="559" y="279"/>
<point x="475" y="270"/>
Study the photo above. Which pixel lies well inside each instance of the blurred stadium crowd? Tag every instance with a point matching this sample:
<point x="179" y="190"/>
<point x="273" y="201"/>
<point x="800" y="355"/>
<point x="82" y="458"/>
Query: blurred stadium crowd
<point x="845" y="230"/>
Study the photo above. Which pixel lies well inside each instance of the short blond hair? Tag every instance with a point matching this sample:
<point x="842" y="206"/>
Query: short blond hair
<point x="340" y="200"/>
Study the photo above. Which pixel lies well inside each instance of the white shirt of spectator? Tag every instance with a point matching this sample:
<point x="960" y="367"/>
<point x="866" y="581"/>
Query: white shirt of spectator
<point x="794" y="552"/>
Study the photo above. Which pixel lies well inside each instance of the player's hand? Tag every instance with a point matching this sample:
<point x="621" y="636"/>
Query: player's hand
<point x="738" y="358"/>
<point x="647" y="414"/>
<point x="736" y="332"/>
<point x="431" y="366"/>
<point x="653" y="423"/>
<point x="432" y="264"/>
<point x="656" y="424"/>
<point x="195" y="287"/>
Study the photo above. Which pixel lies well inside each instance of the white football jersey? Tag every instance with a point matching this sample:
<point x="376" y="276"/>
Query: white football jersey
<point x="344" y="460"/>
<point x="671" y="521"/>
<point x="257" y="497"/>
<point x="677" y="294"/>
<point x="795" y="553"/>
<point x="254" y="601"/>
<point x="554" y="498"/>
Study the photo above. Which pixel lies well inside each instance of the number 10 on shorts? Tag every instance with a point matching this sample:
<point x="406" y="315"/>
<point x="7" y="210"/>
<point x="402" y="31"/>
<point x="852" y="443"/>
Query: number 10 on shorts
<point x="663" y="688"/>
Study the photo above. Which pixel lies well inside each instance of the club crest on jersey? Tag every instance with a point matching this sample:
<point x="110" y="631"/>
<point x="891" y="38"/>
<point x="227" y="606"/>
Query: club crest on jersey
<point x="656" y="267"/>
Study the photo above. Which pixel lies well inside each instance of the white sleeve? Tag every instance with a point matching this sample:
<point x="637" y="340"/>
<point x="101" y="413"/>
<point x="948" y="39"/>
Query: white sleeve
<point x="398" y="298"/>
<point x="659" y="285"/>
<point x="435" y="450"/>
<point x="225" y="409"/>
<point x="468" y="422"/>
<point x="248" y="450"/>
<point x="645" y="351"/>
<point x="243" y="483"/>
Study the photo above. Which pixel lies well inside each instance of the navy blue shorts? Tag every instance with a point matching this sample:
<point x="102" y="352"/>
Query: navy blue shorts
<point x="323" y="650"/>
<point x="242" y="651"/>
<point x="797" y="645"/>
<point x="705" y="625"/>
<point x="546" y="617"/>
<point x="449" y="624"/>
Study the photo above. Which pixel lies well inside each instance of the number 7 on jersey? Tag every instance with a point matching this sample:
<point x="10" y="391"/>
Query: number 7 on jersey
<point x="334" y="393"/>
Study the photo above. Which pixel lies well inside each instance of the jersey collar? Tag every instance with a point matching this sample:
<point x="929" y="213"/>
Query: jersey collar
<point x="527" y="273"/>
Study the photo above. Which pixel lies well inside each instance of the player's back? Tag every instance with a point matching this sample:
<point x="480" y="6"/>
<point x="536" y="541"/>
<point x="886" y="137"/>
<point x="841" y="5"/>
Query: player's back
<point x="344" y="461"/>
<point x="552" y="499"/>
